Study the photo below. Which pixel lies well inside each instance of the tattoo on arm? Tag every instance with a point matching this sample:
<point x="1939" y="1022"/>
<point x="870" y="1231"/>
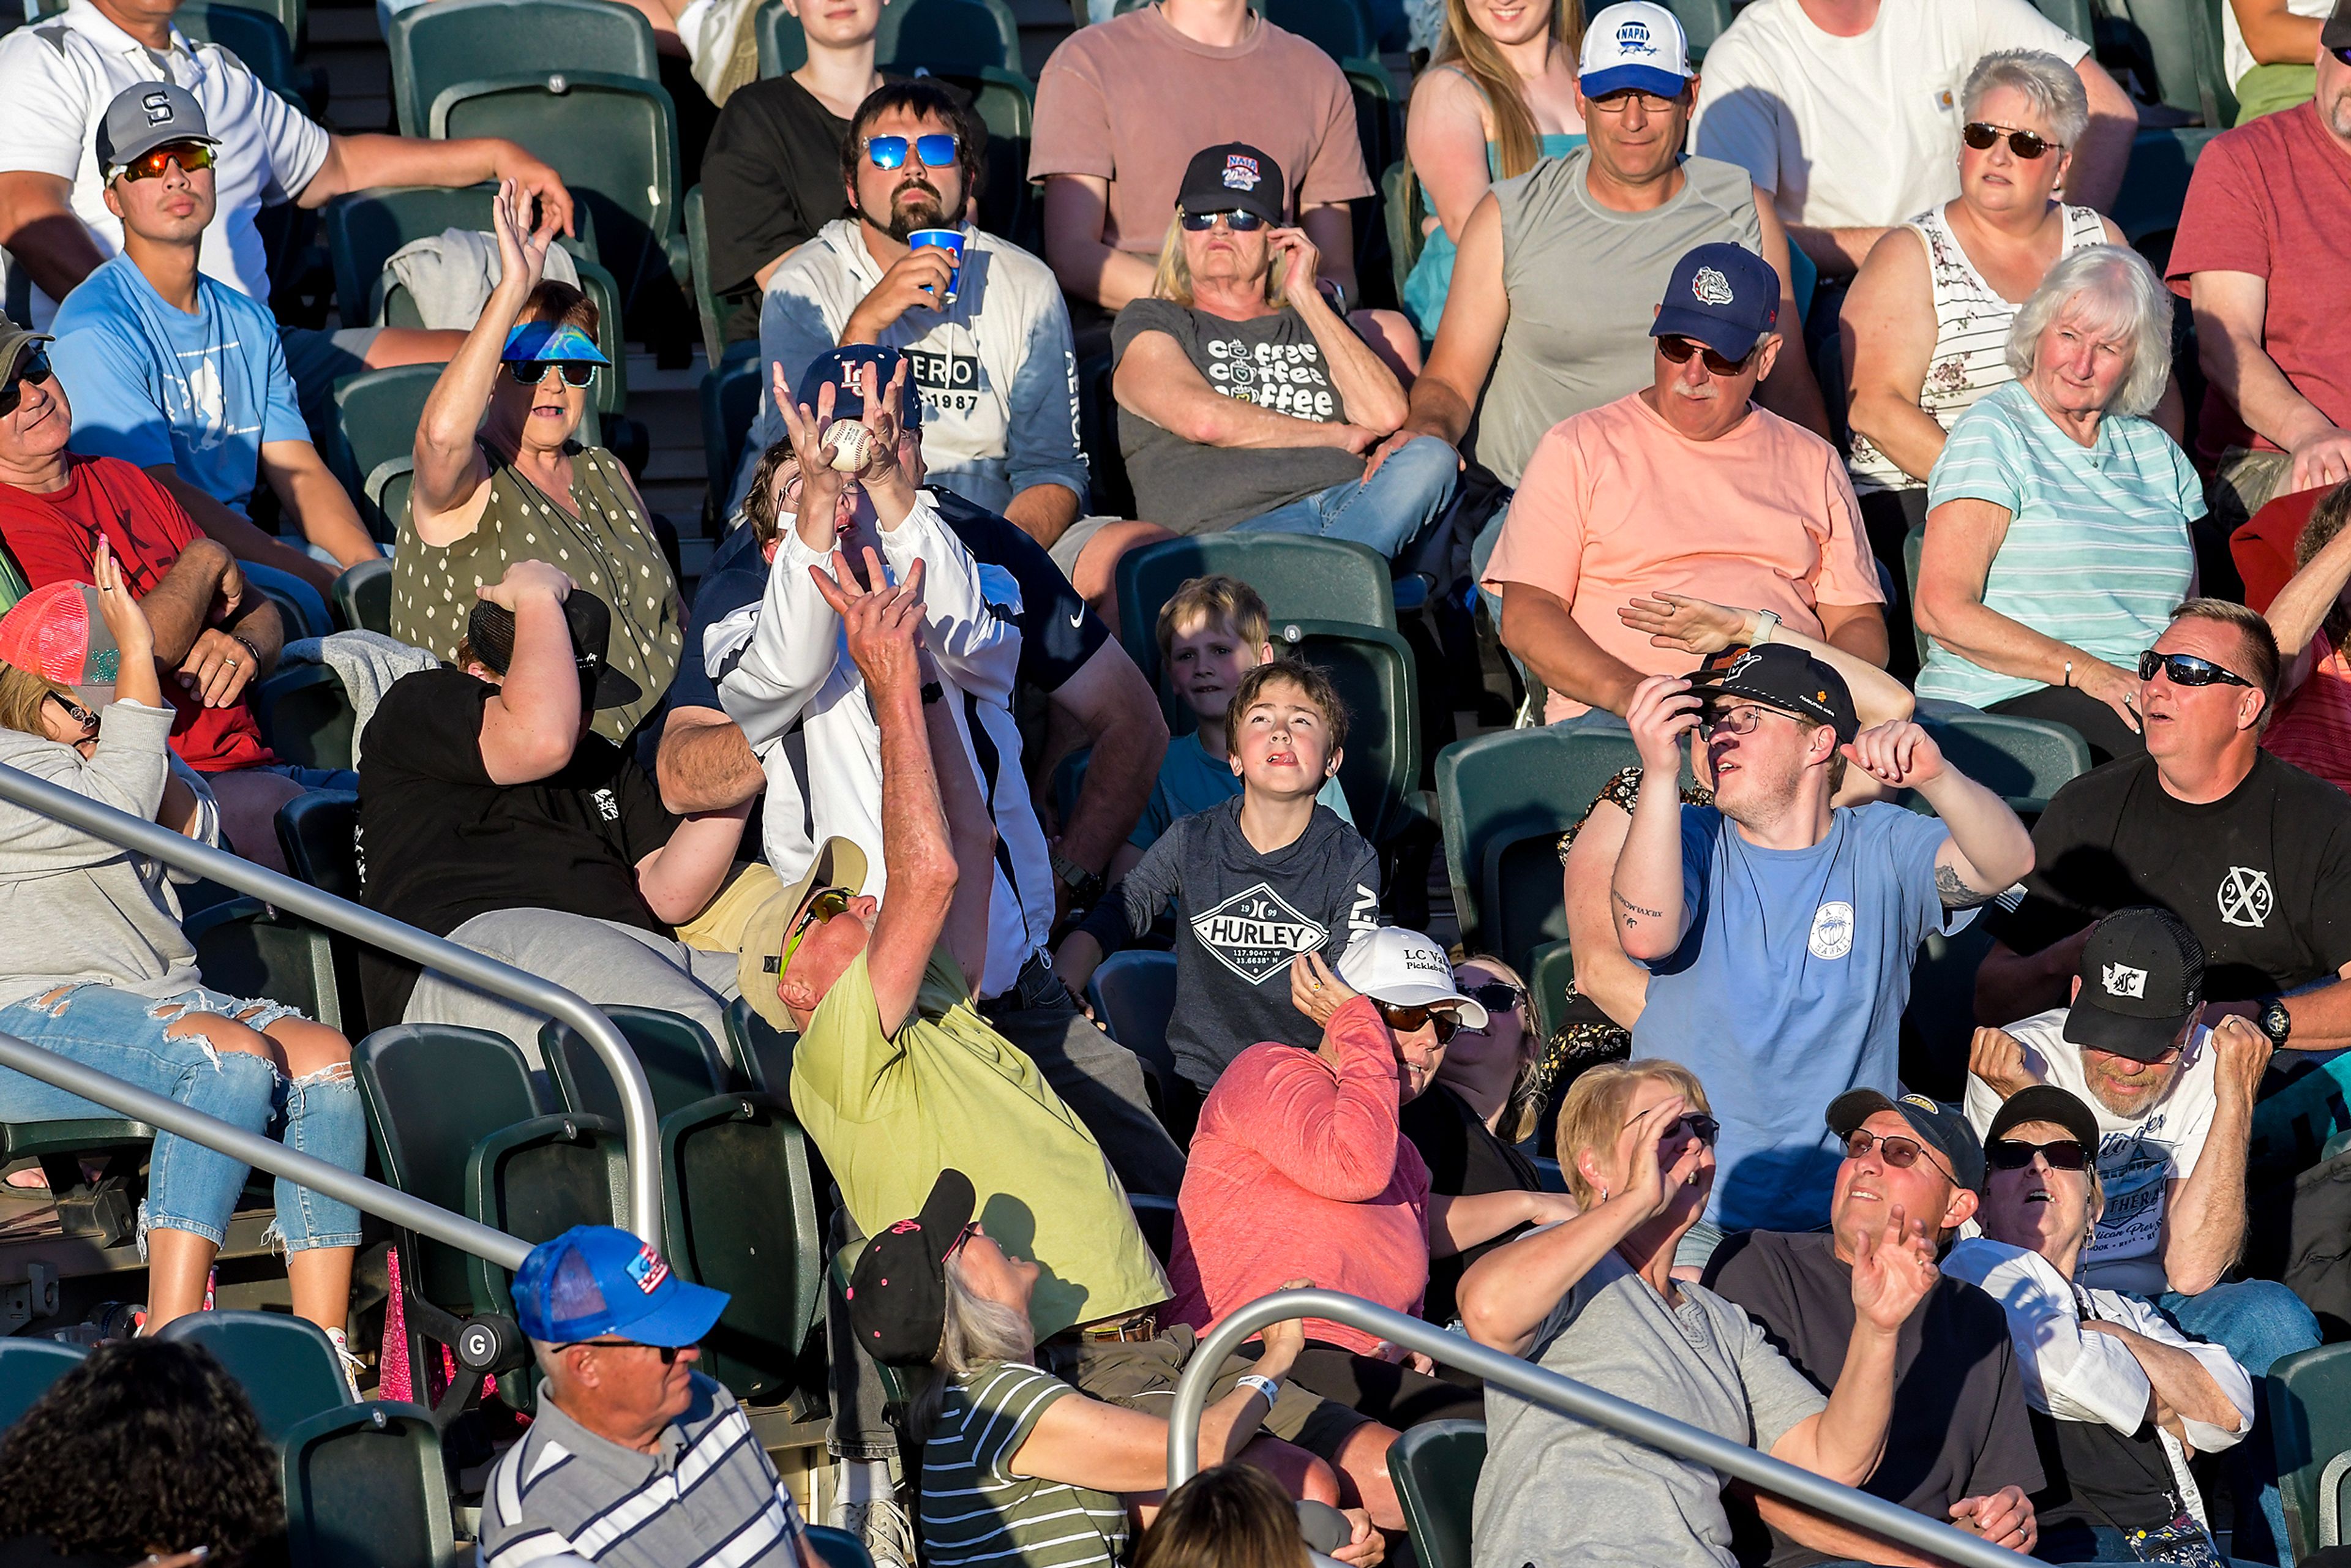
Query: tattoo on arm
<point x="1956" y="893"/>
<point x="1631" y="910"/>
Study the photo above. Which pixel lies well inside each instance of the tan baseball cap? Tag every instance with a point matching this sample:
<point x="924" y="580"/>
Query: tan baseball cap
<point x="759" y="966"/>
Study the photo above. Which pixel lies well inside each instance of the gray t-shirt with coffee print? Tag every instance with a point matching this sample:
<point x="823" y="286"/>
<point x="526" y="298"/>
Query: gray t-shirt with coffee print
<point x="1272" y="362"/>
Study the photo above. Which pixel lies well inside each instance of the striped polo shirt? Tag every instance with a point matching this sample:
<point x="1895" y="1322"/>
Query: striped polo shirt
<point x="974" y="1510"/>
<point x="708" y="1499"/>
<point x="2096" y="551"/>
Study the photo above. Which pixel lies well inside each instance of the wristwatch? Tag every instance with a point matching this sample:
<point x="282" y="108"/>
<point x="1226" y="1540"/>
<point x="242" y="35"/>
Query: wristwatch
<point x="1332" y="289"/>
<point x="2275" y="1021"/>
<point x="1086" y="885"/>
<point x="932" y="691"/>
<point x="1766" y="623"/>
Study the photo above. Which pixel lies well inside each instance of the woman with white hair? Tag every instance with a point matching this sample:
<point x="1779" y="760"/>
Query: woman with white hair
<point x="2057" y="538"/>
<point x="1927" y="322"/>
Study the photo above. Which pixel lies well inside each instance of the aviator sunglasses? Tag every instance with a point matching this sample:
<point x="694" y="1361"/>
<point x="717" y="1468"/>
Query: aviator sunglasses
<point x="936" y="150"/>
<point x="1679" y="350"/>
<point x="2025" y="144"/>
<point x="2187" y="670"/>
<point x="1239" y="222"/>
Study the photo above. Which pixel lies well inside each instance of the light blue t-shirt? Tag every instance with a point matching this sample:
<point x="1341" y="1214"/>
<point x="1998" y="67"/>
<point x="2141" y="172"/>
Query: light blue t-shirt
<point x="1191" y="781"/>
<point x="1788" y="991"/>
<point x="150" y="383"/>
<point x="2097" y="550"/>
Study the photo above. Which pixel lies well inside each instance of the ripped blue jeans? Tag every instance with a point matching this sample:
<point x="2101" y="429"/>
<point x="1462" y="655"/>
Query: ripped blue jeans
<point x="191" y="1187"/>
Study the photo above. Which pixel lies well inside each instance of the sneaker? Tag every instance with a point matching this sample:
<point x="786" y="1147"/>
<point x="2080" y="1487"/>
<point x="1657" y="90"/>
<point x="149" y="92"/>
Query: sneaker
<point x="352" y="1365"/>
<point x="883" y="1527"/>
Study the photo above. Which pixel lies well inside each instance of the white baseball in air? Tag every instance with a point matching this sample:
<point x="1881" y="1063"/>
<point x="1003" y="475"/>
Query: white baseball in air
<point x="848" y="444"/>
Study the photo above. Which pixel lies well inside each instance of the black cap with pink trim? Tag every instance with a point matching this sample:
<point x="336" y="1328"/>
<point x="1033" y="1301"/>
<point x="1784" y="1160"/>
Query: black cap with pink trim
<point x="898" y="1293"/>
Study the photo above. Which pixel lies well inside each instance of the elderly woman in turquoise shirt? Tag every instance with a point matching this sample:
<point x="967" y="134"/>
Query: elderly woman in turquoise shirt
<point x="2057" y="525"/>
<point x="1499" y="94"/>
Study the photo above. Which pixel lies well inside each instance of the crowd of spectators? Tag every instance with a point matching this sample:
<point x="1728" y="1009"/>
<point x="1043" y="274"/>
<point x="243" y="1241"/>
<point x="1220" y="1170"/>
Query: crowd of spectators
<point x="1770" y="423"/>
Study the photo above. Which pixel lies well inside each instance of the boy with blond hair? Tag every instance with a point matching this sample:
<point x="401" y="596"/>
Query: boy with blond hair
<point x="1255" y="880"/>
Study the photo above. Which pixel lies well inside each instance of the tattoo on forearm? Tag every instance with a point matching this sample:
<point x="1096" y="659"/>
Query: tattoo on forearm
<point x="1631" y="910"/>
<point x="1956" y="893"/>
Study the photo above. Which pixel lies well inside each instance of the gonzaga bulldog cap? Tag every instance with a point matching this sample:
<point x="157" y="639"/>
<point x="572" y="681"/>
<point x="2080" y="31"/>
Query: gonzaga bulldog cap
<point x="1234" y="175"/>
<point x="144" y="116"/>
<point x="2142" y="978"/>
<point x="1723" y="295"/>
<point x="1635" y="45"/>
<point x="898" y="1293"/>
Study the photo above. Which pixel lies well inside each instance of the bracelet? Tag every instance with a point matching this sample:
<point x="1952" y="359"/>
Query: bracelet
<point x="1264" y="1386"/>
<point x="2069" y="672"/>
<point x="238" y="639"/>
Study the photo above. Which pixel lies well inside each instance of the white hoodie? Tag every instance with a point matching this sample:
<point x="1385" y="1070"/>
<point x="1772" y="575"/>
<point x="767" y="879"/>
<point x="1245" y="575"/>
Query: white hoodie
<point x="998" y="377"/>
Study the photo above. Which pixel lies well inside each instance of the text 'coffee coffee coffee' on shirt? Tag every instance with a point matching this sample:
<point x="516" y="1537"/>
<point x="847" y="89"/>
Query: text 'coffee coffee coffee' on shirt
<point x="1285" y="377"/>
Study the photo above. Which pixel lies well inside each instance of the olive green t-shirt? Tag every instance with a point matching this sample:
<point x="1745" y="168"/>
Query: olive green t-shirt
<point x="890" y="1114"/>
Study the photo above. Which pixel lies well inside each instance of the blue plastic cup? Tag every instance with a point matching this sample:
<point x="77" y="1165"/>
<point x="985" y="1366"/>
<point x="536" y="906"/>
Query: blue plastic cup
<point x="949" y="241"/>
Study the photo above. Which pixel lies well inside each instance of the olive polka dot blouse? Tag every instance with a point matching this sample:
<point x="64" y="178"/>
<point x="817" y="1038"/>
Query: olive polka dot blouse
<point x="609" y="550"/>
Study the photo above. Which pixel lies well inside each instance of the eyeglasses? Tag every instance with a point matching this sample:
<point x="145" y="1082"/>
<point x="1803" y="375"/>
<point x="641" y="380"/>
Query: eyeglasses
<point x="2025" y="144"/>
<point x="190" y="156"/>
<point x="2187" y="670"/>
<point x="828" y="903"/>
<point x="1618" y="102"/>
<point x="669" y="1352"/>
<point x="2011" y="1154"/>
<point x="1741" y="720"/>
<point x="1679" y="350"/>
<point x="936" y="150"/>
<point x="1404" y="1021"/>
<point x="35" y="368"/>
<point x="1239" y="222"/>
<point x="969" y="1230"/>
<point x="530" y="373"/>
<point x="1898" y="1151"/>
<point x="74" y="710"/>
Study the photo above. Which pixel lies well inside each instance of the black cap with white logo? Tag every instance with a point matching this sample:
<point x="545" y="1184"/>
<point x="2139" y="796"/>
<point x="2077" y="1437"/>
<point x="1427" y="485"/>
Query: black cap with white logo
<point x="1234" y="176"/>
<point x="1779" y="676"/>
<point x="2142" y="978"/>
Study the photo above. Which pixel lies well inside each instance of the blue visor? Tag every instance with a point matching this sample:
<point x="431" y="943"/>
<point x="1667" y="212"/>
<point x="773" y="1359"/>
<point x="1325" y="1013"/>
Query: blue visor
<point x="1641" y="78"/>
<point x="550" y="341"/>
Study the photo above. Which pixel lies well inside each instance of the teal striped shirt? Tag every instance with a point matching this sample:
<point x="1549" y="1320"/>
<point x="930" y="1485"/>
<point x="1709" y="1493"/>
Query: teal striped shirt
<point x="2097" y="550"/>
<point x="975" y="1511"/>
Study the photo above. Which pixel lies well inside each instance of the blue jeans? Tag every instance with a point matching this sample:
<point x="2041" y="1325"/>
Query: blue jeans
<point x="1385" y="511"/>
<point x="191" y="1187"/>
<point x="2096" y="1543"/>
<point x="2256" y="1320"/>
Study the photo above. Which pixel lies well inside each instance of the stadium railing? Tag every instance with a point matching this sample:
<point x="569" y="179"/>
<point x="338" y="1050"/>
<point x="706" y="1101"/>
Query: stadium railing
<point x="1532" y="1382"/>
<point x="640" y="1122"/>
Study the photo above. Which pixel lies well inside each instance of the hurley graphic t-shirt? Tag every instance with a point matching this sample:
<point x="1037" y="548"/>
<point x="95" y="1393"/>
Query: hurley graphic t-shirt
<point x="1240" y="918"/>
<point x="1272" y="362"/>
<point x="2138" y="1156"/>
<point x="1787" y="990"/>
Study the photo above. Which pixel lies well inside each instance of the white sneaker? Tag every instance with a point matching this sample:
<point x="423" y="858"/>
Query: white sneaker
<point x="883" y="1527"/>
<point x="352" y="1365"/>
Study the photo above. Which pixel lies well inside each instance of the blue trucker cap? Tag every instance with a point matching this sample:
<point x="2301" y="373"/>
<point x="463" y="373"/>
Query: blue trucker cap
<point x="594" y="1279"/>
<point x="1723" y="295"/>
<point x="844" y="367"/>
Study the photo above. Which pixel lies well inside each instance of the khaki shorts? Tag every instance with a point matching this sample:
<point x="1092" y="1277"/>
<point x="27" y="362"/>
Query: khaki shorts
<point x="1142" y="1374"/>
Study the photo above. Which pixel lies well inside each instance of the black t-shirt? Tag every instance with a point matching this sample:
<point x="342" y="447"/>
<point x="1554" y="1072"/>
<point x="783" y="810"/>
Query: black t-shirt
<point x="441" y="843"/>
<point x="2262" y="876"/>
<point x="1960" y="1426"/>
<point x="2097" y="1476"/>
<point x="1464" y="1159"/>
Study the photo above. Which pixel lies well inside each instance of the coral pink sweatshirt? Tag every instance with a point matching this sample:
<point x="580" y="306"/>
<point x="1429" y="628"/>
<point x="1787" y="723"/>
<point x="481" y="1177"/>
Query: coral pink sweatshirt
<point x="1299" y="1171"/>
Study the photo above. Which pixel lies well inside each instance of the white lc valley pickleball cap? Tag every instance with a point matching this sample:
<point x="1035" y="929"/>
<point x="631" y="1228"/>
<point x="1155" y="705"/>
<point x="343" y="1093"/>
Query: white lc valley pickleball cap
<point x="1405" y="969"/>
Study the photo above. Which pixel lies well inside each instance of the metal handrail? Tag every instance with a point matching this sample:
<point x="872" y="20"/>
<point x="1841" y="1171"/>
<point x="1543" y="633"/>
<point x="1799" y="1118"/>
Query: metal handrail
<point x="263" y="1153"/>
<point x="1546" y="1387"/>
<point x="638" y="1117"/>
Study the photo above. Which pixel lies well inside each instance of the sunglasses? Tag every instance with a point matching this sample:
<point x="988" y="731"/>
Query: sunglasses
<point x="1404" y="1021"/>
<point x="936" y="150"/>
<point x="828" y="903"/>
<point x="1898" y="1151"/>
<point x="1239" y="222"/>
<point x="190" y="156"/>
<point x="2342" y="54"/>
<point x="35" y="369"/>
<point x="2024" y="143"/>
<point x="1679" y="350"/>
<point x="1698" y="1126"/>
<point x="970" y="1230"/>
<point x="2187" y="670"/>
<point x="74" y="711"/>
<point x="1497" y="995"/>
<point x="530" y="373"/>
<point x="2011" y="1154"/>
<point x="669" y="1352"/>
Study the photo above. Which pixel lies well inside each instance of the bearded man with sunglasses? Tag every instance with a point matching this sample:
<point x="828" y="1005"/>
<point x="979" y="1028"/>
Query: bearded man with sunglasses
<point x="1686" y="485"/>
<point x="2251" y="854"/>
<point x="1959" y="1449"/>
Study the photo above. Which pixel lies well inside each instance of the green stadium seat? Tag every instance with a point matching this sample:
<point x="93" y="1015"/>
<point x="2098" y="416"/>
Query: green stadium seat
<point x="103" y="1209"/>
<point x="363" y="597"/>
<point x="290" y="614"/>
<point x="27" y="1367"/>
<point x="535" y="1180"/>
<point x="367" y="1483"/>
<point x="287" y="1366"/>
<point x="1702" y="22"/>
<point x="706" y="307"/>
<point x="318" y="832"/>
<point x="435" y="46"/>
<point x="2154" y="186"/>
<point x="294" y="16"/>
<point x="2074" y="16"/>
<point x="612" y="135"/>
<point x="2024" y="761"/>
<point x="1435" y="1467"/>
<point x="741" y="1216"/>
<point x="681" y="1062"/>
<point x="730" y="404"/>
<point x="1372" y="668"/>
<point x="602" y="290"/>
<point x="2174" y="48"/>
<point x="1299" y="577"/>
<point x="375" y="421"/>
<point x="247" y="948"/>
<point x="837" y="1548"/>
<point x="261" y="39"/>
<point x="363" y="228"/>
<point x="1133" y="994"/>
<point x="306" y="715"/>
<point x="2310" y="1424"/>
<point x="425" y="1134"/>
<point x="948" y="38"/>
<point x="1549" y="970"/>
<point x="762" y="1052"/>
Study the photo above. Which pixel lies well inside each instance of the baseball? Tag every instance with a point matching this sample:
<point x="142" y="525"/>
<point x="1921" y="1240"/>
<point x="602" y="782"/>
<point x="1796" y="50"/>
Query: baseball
<point x="848" y="444"/>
